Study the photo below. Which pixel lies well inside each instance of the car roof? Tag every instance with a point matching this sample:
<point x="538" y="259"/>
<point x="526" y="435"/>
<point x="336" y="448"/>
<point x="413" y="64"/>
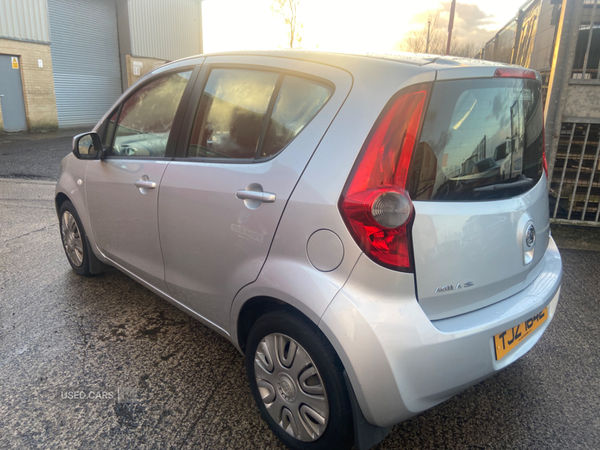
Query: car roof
<point x="415" y="59"/>
<point x="443" y="67"/>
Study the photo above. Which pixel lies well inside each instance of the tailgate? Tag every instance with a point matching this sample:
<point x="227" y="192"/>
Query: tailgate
<point x="480" y="195"/>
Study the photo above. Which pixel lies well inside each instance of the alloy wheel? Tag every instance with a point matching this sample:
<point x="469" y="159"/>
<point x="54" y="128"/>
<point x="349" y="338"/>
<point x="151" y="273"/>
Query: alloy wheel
<point x="71" y="238"/>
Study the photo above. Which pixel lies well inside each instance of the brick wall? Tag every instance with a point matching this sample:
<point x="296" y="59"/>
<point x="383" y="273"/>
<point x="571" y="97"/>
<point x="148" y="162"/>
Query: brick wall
<point x="38" y="84"/>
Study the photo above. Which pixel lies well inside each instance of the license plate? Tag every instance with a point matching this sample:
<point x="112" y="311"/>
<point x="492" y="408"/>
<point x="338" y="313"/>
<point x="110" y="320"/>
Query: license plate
<point x="509" y="339"/>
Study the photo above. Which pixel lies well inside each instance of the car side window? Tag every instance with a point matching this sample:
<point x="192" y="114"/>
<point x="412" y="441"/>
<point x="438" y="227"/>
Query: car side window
<point x="146" y="117"/>
<point x="231" y="113"/>
<point x="298" y="101"/>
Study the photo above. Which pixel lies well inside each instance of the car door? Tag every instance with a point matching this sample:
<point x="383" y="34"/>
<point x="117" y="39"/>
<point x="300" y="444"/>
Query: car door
<point x="254" y="123"/>
<point x="122" y="188"/>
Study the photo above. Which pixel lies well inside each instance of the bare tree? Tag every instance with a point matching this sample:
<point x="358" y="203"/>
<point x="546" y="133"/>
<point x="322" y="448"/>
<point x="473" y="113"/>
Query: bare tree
<point x="416" y="40"/>
<point x="288" y="9"/>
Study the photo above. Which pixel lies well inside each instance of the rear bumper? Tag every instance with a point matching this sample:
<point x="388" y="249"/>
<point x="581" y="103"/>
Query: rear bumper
<point x="400" y="363"/>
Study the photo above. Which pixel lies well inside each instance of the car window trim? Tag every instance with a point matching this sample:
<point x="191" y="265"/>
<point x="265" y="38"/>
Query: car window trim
<point x="185" y="131"/>
<point x="204" y="159"/>
<point x="194" y="103"/>
<point x="103" y="128"/>
<point x="177" y="119"/>
<point x="268" y="114"/>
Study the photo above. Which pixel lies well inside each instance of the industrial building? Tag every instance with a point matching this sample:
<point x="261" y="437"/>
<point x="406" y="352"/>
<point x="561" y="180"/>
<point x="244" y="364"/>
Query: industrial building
<point x="561" y="39"/>
<point x="64" y="62"/>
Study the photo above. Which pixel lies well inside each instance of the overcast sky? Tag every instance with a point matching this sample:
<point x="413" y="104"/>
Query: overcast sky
<point x="345" y="25"/>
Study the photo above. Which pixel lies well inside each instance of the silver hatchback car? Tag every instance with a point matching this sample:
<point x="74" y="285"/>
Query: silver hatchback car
<point x="371" y="232"/>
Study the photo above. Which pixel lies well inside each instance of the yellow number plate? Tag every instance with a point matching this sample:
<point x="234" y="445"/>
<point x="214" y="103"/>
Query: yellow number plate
<point x="509" y="339"/>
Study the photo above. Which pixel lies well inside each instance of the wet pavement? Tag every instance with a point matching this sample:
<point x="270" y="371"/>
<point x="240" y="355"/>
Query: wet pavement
<point x="159" y="379"/>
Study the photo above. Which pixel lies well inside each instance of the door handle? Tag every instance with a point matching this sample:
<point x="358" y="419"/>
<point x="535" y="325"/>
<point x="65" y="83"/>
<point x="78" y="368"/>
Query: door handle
<point x="145" y="184"/>
<point x="263" y="197"/>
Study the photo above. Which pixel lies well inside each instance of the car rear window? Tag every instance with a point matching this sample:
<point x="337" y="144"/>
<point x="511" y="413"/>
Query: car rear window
<point x="482" y="139"/>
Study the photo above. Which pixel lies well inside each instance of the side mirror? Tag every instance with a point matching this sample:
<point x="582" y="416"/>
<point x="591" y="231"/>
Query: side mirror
<point x="87" y="146"/>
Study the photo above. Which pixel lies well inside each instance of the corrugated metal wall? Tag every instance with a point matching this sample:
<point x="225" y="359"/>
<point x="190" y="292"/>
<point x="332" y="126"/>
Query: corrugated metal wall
<point x="164" y="30"/>
<point x="85" y="59"/>
<point x="25" y="20"/>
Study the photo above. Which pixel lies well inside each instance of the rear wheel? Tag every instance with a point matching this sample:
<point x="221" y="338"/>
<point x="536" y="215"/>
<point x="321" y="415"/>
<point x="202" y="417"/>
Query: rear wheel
<point x="296" y="380"/>
<point x="74" y="239"/>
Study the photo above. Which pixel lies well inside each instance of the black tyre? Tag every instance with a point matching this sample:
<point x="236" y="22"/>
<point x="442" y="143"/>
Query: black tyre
<point x="296" y="380"/>
<point x="74" y="239"/>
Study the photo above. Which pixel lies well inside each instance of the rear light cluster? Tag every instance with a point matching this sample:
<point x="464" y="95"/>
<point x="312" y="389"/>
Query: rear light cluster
<point x="544" y="160"/>
<point x="375" y="204"/>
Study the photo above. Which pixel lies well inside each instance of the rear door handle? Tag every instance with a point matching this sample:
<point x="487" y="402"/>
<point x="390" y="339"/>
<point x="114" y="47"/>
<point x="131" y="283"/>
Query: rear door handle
<point x="264" y="197"/>
<point x="147" y="184"/>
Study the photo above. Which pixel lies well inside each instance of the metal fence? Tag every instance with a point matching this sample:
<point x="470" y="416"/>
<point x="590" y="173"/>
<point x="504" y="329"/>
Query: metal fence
<point x="575" y="185"/>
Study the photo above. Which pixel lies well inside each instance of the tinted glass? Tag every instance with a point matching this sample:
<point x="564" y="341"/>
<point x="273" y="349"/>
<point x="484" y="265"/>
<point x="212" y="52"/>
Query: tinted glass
<point x="298" y="101"/>
<point x="147" y="116"/>
<point x="231" y="113"/>
<point x="481" y="139"/>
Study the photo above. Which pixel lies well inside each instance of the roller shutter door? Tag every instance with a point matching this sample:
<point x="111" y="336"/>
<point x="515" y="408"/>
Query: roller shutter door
<point x="85" y="59"/>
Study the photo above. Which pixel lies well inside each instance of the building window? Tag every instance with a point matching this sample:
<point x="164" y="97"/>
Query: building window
<point x="587" y="52"/>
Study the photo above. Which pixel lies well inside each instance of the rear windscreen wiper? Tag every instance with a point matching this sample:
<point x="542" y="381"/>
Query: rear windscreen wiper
<point x="496" y="187"/>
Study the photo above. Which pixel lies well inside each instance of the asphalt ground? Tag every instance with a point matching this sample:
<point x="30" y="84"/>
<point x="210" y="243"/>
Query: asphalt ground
<point x="35" y="156"/>
<point x="165" y="381"/>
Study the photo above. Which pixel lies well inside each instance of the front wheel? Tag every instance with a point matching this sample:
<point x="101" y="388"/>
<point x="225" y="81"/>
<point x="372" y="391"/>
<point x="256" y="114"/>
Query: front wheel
<point x="73" y="239"/>
<point x="296" y="380"/>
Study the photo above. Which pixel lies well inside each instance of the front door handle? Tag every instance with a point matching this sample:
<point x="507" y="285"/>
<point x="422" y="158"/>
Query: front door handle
<point x="145" y="184"/>
<point x="263" y="197"/>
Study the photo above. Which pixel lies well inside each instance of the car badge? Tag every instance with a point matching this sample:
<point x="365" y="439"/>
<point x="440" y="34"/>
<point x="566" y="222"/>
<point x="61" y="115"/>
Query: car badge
<point x="530" y="236"/>
<point x="453" y="287"/>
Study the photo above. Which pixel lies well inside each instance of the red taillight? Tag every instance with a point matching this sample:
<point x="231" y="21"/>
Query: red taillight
<point x="375" y="203"/>
<point x="514" y="72"/>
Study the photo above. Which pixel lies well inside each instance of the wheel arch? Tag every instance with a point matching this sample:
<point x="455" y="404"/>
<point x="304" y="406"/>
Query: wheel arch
<point x="253" y="309"/>
<point x="59" y="200"/>
<point x="96" y="265"/>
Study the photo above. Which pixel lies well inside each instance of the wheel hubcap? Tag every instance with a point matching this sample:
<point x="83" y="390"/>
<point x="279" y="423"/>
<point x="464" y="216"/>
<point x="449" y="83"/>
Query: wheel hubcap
<point x="71" y="238"/>
<point x="291" y="387"/>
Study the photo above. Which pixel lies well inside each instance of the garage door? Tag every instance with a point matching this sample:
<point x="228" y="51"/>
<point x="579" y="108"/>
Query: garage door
<point x="85" y="59"/>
